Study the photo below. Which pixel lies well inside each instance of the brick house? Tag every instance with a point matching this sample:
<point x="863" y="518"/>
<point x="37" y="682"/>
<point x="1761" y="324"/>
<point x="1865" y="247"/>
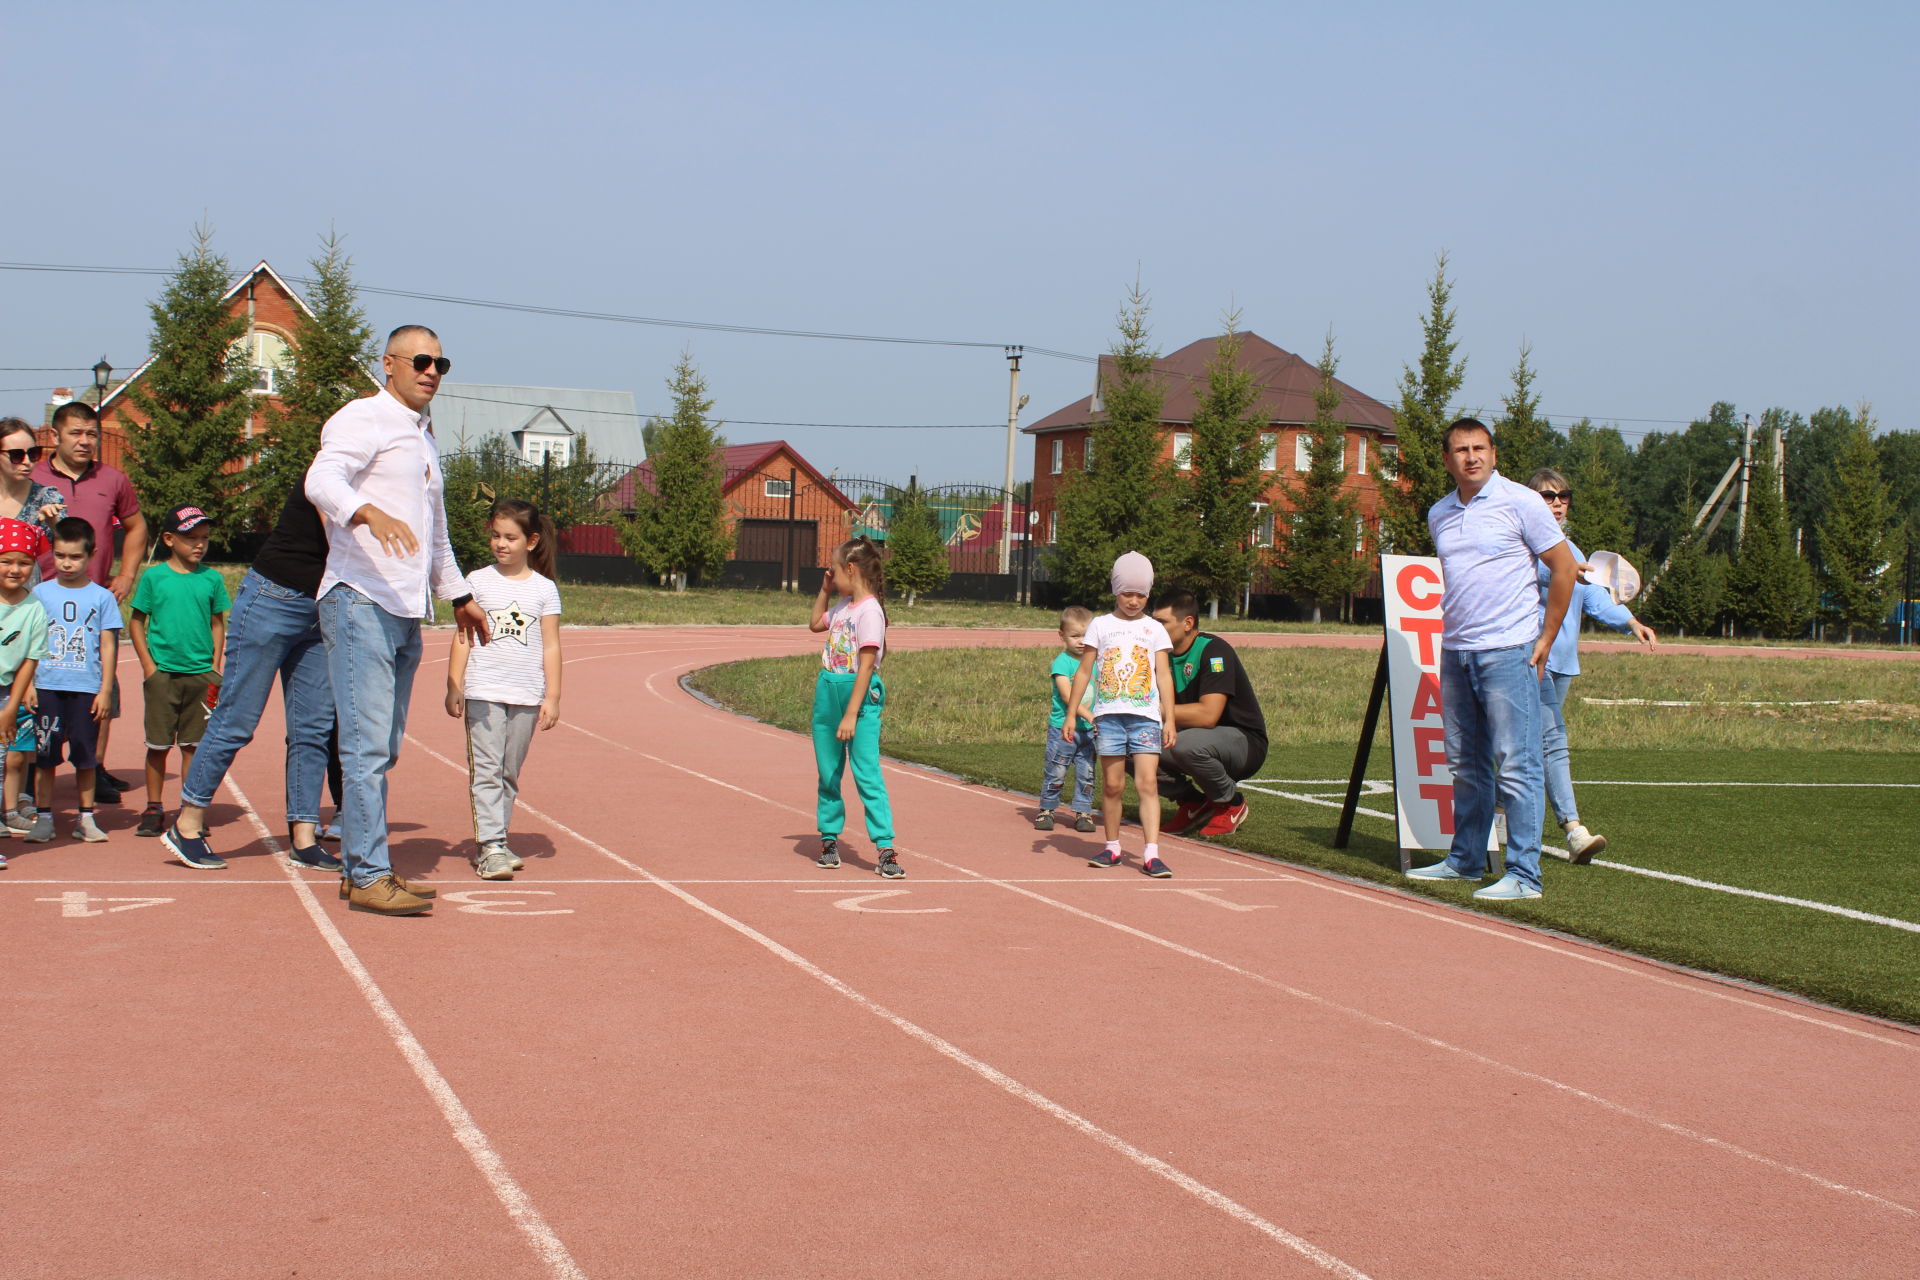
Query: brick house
<point x="272" y="309"/>
<point x="782" y="510"/>
<point x="1287" y="384"/>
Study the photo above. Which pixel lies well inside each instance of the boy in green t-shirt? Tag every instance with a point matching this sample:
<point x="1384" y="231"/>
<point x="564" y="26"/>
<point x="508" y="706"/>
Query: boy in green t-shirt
<point x="1061" y="754"/>
<point x="179" y="629"/>
<point x="23" y="642"/>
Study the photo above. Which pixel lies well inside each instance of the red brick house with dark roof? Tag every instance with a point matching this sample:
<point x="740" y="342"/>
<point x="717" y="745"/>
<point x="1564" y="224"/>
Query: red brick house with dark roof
<point x="772" y="494"/>
<point x="1287" y="383"/>
<point x="273" y="311"/>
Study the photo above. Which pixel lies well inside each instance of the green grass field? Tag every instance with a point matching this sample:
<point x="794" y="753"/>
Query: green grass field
<point x="1843" y="845"/>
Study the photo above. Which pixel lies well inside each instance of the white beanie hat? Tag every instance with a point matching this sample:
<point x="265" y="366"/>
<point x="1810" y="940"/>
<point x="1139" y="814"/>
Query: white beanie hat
<point x="1133" y="572"/>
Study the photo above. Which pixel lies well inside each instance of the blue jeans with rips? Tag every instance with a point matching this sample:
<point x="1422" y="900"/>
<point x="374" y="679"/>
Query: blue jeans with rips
<point x="1062" y="756"/>
<point x="372" y="656"/>
<point x="272" y="630"/>
<point x="1490" y="701"/>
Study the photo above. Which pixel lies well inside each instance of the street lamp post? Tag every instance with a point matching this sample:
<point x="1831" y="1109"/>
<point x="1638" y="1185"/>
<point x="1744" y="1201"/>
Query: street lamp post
<point x="101" y="373"/>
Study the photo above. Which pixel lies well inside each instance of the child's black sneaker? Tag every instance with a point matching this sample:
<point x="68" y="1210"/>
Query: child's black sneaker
<point x="153" y="821"/>
<point x="829" y="855"/>
<point x="889" y="866"/>
<point x="1104" y="858"/>
<point x="193" y="851"/>
<point x="314" y="858"/>
<point x="1083" y="822"/>
<point x="1158" y="869"/>
<point x="1044" y="822"/>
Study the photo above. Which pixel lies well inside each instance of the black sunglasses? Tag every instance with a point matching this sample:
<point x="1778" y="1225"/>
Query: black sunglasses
<point x="18" y="456"/>
<point x="440" y="364"/>
<point x="1556" y="495"/>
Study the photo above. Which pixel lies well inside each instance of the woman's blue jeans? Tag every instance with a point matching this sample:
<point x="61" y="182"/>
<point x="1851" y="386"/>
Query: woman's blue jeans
<point x="271" y="631"/>
<point x="1553" y="747"/>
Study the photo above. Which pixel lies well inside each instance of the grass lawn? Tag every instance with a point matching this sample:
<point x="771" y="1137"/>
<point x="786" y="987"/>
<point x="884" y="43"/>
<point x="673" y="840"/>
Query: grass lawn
<point x="1845" y="846"/>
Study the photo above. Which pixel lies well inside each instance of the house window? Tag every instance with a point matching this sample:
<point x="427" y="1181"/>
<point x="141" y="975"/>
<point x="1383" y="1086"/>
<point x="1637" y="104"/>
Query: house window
<point x="1360" y="455"/>
<point x="1269" y="451"/>
<point x="538" y="450"/>
<point x="1183" y="450"/>
<point x="1059" y="452"/>
<point x="1050" y="537"/>
<point x="1263" y="530"/>
<point x="270" y="356"/>
<point x="1086" y="453"/>
<point x="1302" y="451"/>
<point x="777" y="488"/>
<point x="1389" y="454"/>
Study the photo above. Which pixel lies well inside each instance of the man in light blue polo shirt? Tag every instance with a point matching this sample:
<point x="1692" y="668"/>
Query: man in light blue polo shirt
<point x="1493" y="651"/>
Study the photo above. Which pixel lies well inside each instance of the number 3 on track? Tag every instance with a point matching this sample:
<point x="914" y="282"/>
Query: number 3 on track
<point x="479" y="903"/>
<point x="858" y="901"/>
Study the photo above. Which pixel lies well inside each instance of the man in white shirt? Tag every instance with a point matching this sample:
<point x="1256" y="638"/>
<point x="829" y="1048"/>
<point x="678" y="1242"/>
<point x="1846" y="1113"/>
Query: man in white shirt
<point x="1493" y="651"/>
<point x="377" y="481"/>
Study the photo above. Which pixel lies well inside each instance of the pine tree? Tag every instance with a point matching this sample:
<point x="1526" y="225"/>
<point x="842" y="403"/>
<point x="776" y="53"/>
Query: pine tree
<point x="916" y="550"/>
<point x="194" y="393"/>
<point x="1526" y="440"/>
<point x="1769" y="587"/>
<point x="333" y="353"/>
<point x="1689" y="594"/>
<point x="1218" y="498"/>
<point x="1598" y="519"/>
<point x="680" y="528"/>
<point x="1416" y="473"/>
<point x="1318" y="557"/>
<point x="1861" y="541"/>
<point x="1128" y="500"/>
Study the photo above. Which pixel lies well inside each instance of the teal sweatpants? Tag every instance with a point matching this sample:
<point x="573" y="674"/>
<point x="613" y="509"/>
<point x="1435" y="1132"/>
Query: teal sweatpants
<point x="830" y="694"/>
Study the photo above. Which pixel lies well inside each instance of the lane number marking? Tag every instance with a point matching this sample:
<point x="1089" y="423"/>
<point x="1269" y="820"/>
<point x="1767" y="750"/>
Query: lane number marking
<point x="1207" y="896"/>
<point x="855" y="902"/>
<point x="75" y="903"/>
<point x="481" y="902"/>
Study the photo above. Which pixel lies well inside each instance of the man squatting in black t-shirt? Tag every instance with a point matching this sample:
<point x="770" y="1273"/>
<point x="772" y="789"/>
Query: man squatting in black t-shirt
<point x="1222" y="736"/>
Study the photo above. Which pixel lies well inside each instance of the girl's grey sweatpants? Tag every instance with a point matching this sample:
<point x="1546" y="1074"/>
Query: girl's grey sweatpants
<point x="497" y="738"/>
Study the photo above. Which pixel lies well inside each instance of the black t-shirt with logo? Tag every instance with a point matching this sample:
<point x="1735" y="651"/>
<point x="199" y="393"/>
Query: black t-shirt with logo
<point x="1211" y="666"/>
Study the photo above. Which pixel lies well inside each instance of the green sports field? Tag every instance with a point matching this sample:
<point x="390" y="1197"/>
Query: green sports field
<point x="1828" y="817"/>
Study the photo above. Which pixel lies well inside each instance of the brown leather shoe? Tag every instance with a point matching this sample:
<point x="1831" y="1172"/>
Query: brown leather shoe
<point x="385" y="897"/>
<point x="413" y="887"/>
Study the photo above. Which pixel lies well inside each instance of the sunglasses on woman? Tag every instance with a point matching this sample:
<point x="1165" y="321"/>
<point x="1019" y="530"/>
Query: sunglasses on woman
<point x="20" y="457"/>
<point x="1556" y="495"/>
<point x="439" y="364"/>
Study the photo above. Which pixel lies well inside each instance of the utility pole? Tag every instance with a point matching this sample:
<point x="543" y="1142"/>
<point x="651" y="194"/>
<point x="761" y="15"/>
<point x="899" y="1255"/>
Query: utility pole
<point x="1013" y="433"/>
<point x="1746" y="477"/>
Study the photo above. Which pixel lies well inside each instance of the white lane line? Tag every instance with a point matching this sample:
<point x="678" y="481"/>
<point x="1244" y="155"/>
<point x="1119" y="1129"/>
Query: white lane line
<point x="518" y="1204"/>
<point x="1310" y="997"/>
<point x="1866" y="917"/>
<point x="1428" y="909"/>
<point x="946" y="1048"/>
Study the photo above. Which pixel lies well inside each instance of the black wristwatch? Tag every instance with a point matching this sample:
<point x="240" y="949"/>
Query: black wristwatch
<point x="460" y="602"/>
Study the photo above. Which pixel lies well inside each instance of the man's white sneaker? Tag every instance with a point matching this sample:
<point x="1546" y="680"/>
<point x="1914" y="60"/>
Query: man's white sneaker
<point x="1582" y="844"/>
<point x="1506" y="889"/>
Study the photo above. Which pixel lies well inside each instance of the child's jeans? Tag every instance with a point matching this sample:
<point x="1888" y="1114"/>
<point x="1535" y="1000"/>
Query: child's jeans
<point x="1062" y="755"/>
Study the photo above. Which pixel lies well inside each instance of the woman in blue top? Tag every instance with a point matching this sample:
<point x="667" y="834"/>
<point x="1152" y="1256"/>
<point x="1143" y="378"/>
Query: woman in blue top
<point x="1563" y="664"/>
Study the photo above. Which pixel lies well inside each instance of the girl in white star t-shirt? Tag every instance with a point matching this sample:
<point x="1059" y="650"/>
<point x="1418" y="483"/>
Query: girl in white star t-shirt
<point x="512" y="683"/>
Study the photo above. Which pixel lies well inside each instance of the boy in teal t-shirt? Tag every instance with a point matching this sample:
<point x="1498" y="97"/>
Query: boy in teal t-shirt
<point x="1061" y="754"/>
<point x="23" y="642"/>
<point x="179" y="629"/>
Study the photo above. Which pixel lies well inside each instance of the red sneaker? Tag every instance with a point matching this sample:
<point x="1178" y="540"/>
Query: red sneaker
<point x="1182" y="815"/>
<point x="1227" y="821"/>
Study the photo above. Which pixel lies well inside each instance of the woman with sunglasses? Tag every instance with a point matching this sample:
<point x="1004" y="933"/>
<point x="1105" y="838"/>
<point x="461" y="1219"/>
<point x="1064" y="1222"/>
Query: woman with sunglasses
<point x="21" y="496"/>
<point x="1563" y="664"/>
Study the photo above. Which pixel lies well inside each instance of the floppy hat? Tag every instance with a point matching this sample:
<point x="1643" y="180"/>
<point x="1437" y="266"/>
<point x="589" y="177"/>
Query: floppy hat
<point x="1611" y="570"/>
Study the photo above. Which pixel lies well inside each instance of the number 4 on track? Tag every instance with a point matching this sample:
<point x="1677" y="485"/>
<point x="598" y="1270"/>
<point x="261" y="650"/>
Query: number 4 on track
<point x="78" y="902"/>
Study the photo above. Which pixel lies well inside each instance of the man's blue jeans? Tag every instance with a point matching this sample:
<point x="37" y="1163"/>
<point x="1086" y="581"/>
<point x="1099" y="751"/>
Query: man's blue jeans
<point x="1490" y="701"/>
<point x="1063" y="756"/>
<point x="1553" y="747"/>
<point x="271" y="630"/>
<point x="372" y="656"/>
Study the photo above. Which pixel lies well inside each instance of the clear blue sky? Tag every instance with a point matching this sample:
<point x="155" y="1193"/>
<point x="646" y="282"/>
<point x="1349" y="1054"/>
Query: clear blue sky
<point x="1675" y="204"/>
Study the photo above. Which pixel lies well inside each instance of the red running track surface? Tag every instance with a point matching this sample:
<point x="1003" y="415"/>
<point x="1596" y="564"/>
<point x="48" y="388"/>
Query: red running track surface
<point x="674" y="1047"/>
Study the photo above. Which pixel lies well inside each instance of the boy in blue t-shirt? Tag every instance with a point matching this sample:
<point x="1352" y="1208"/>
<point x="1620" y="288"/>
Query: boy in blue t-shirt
<point x="1061" y="754"/>
<point x="75" y="679"/>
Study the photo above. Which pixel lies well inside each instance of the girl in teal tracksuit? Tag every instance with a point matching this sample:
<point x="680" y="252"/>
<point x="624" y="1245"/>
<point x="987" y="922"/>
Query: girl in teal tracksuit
<point x="848" y="697"/>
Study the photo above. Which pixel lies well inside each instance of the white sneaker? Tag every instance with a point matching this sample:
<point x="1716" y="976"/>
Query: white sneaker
<point x="1582" y="844"/>
<point x="493" y="862"/>
<point x="513" y="859"/>
<point x="88" y="830"/>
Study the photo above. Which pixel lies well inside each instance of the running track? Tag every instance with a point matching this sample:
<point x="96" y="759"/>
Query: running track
<point x="673" y="1047"/>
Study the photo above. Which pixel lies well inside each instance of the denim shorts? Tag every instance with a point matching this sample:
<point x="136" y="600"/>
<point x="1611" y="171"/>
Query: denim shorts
<point x="1120" y="734"/>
